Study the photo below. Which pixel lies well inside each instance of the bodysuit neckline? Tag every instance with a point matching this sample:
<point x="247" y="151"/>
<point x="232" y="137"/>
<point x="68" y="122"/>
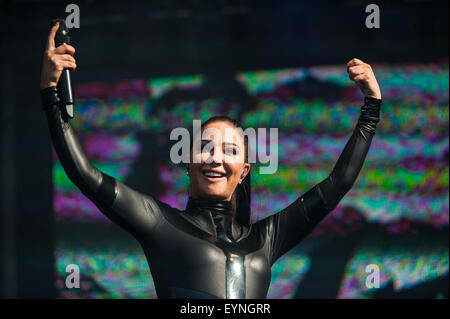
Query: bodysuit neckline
<point x="215" y="207"/>
<point x="217" y="217"/>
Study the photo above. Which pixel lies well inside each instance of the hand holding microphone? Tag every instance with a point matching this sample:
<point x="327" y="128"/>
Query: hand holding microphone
<point x="58" y="60"/>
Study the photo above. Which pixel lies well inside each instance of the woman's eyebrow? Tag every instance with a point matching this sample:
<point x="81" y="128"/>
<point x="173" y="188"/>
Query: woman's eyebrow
<point x="229" y="143"/>
<point x="225" y="143"/>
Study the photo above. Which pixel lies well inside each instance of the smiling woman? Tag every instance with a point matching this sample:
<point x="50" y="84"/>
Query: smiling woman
<point x="210" y="249"/>
<point x="219" y="170"/>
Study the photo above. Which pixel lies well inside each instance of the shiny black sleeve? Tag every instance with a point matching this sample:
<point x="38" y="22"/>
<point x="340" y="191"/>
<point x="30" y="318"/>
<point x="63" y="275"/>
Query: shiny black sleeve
<point x="288" y="227"/>
<point x="135" y="212"/>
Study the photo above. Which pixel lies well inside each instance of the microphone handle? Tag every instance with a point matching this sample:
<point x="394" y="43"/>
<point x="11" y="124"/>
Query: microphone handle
<point x="65" y="92"/>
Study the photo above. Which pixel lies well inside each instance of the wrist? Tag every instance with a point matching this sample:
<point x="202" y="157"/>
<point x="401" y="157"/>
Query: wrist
<point x="372" y="101"/>
<point x="374" y="96"/>
<point x="371" y="108"/>
<point x="46" y="84"/>
<point x="49" y="97"/>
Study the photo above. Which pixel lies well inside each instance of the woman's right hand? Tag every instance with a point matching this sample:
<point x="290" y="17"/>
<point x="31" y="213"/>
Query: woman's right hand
<point x="55" y="60"/>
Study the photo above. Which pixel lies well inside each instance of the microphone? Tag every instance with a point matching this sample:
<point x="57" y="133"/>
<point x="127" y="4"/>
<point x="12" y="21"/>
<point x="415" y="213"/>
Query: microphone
<point x="64" y="84"/>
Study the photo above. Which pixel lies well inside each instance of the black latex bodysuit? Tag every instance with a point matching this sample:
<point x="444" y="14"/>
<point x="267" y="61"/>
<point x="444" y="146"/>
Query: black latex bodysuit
<point x="202" y="252"/>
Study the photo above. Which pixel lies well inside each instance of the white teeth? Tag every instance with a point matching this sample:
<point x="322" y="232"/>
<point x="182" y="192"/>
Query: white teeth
<point x="212" y="174"/>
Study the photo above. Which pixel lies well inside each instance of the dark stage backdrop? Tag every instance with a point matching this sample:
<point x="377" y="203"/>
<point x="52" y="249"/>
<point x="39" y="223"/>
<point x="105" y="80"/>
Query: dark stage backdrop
<point x="395" y="216"/>
<point x="145" y="69"/>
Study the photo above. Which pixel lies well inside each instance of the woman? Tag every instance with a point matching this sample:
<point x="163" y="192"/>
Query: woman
<point x="209" y="250"/>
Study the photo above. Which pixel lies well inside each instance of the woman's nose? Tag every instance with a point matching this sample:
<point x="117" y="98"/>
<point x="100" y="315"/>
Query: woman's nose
<point x="216" y="156"/>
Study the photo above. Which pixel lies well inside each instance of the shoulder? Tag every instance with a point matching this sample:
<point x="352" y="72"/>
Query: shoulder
<point x="264" y="226"/>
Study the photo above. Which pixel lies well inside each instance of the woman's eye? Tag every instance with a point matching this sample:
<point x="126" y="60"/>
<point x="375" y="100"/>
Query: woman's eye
<point x="230" y="151"/>
<point x="206" y="148"/>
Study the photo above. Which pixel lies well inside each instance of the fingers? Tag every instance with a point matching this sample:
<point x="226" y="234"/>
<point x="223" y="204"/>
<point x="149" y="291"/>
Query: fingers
<point x="357" y="70"/>
<point x="359" y="78"/>
<point x="51" y="37"/>
<point x="356" y="67"/>
<point x="67" y="57"/>
<point x="362" y="74"/>
<point x="71" y="66"/>
<point x="65" y="48"/>
<point x="63" y="61"/>
<point x="66" y="65"/>
<point x="354" y="61"/>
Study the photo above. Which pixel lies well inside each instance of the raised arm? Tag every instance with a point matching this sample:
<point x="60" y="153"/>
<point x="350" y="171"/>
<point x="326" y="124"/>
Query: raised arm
<point x="128" y="208"/>
<point x="288" y="227"/>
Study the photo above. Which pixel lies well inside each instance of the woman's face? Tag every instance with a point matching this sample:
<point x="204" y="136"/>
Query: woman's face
<point x="218" y="167"/>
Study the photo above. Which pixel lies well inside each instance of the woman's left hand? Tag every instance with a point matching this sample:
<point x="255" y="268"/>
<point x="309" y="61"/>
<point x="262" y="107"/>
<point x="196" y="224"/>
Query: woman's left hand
<point x="361" y="73"/>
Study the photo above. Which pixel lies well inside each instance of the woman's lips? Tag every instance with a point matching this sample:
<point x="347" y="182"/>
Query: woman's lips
<point x="214" y="178"/>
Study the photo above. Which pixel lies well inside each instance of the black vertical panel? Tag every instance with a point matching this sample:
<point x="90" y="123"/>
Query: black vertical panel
<point x="33" y="179"/>
<point x="8" y="260"/>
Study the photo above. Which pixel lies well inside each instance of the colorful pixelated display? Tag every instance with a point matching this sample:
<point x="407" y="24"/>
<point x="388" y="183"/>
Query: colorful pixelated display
<point x="396" y="214"/>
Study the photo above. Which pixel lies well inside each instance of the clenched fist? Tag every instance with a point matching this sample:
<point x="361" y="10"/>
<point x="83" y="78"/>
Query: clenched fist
<point x="361" y="73"/>
<point x="55" y="60"/>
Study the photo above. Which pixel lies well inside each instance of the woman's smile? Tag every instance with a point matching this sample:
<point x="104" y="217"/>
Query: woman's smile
<point x="214" y="175"/>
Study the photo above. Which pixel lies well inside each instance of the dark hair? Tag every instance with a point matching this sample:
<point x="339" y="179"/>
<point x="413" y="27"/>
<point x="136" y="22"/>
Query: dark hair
<point x="241" y="198"/>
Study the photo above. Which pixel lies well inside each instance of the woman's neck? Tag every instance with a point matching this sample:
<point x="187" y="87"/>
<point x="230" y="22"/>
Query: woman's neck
<point x="215" y="206"/>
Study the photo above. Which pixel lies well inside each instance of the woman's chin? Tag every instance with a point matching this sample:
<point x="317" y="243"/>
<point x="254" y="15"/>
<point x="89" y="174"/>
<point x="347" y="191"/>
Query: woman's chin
<point x="214" y="194"/>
